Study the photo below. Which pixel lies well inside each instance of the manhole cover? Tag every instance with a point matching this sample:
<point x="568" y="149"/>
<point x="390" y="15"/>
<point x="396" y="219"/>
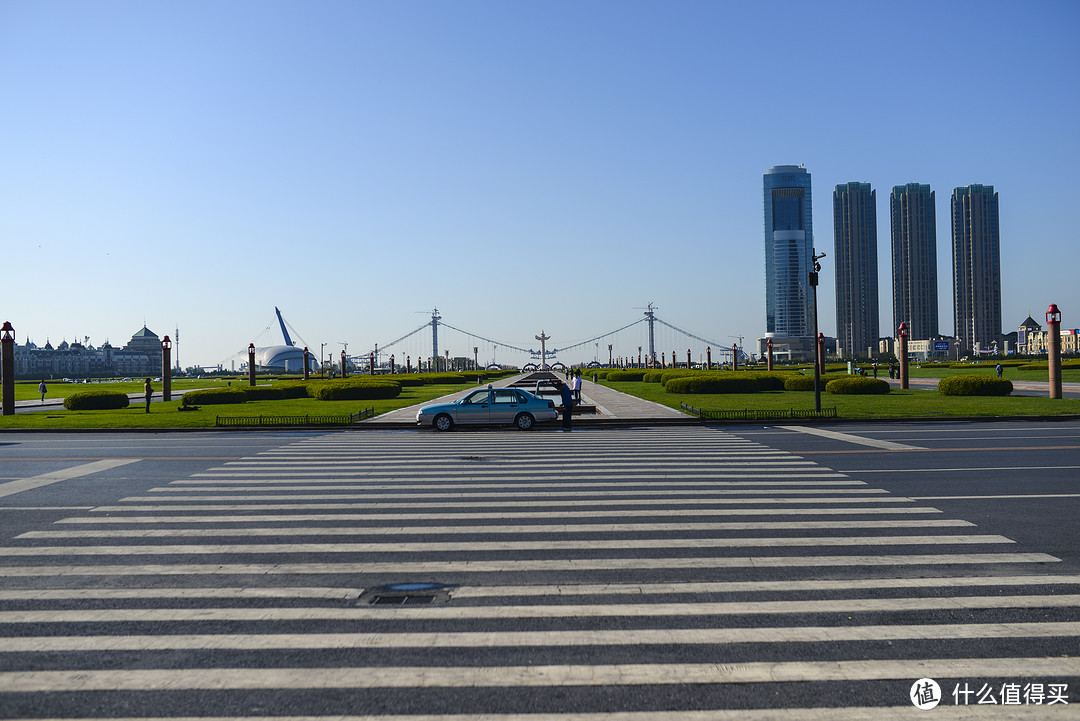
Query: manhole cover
<point x="405" y="594"/>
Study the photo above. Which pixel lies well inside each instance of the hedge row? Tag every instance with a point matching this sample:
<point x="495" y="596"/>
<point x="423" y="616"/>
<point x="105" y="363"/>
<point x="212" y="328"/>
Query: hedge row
<point x="857" y="385"/>
<point x="806" y="383"/>
<point x="709" y="383"/>
<point x="358" y="390"/>
<point x="975" y="385"/>
<point x="96" y="401"/>
<point x="351" y="388"/>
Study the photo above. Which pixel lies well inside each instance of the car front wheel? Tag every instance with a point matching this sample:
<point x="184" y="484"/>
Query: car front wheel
<point x="524" y="421"/>
<point x="443" y="422"/>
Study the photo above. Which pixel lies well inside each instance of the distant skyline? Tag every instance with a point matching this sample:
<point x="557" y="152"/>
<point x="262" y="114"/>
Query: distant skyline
<point x="522" y="167"/>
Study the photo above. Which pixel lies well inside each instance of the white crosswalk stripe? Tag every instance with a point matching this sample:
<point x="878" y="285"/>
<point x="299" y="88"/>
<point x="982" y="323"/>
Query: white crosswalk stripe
<point x="622" y="575"/>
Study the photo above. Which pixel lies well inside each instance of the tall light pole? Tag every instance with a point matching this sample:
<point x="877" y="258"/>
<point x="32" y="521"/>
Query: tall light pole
<point x="251" y="364"/>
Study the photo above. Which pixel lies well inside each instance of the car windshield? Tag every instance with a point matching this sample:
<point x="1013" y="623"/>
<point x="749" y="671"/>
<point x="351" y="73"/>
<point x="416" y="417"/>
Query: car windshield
<point x="475" y="397"/>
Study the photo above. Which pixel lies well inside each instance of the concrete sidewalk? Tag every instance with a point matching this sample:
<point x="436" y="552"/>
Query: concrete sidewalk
<point x="612" y="408"/>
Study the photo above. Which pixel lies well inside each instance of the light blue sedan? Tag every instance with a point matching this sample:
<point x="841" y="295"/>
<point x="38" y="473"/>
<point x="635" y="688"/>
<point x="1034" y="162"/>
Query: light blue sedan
<point x="490" y="406"/>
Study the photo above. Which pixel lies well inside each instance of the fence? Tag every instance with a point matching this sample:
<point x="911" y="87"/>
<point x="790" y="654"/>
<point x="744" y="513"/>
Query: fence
<point x="304" y="420"/>
<point x="758" y="415"/>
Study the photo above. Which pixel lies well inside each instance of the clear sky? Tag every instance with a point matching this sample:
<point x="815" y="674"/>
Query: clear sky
<point x="519" y="165"/>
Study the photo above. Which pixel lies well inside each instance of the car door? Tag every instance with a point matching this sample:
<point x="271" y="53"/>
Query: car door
<point x="474" y="408"/>
<point x="504" y="405"/>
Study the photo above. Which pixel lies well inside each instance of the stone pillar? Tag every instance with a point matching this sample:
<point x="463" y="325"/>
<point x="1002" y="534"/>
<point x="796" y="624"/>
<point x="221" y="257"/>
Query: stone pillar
<point x="251" y="364"/>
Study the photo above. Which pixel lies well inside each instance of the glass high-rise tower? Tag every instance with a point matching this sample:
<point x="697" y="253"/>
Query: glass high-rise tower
<point x="855" y="238"/>
<point x="789" y="247"/>
<point x="976" y="266"/>
<point x="913" y="217"/>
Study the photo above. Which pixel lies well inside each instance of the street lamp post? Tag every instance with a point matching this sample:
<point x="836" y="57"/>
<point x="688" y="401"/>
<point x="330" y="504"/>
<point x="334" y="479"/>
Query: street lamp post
<point x="708" y="358"/>
<point x="819" y="356"/>
<point x="7" y="367"/>
<point x="768" y="355"/>
<point x="251" y="364"/>
<point x="307" y="363"/>
<point x="344" y="371"/>
<point x="734" y="356"/>
<point x="609" y="355"/>
<point x="1053" y="348"/>
<point x="902" y="354"/>
<point x="166" y="369"/>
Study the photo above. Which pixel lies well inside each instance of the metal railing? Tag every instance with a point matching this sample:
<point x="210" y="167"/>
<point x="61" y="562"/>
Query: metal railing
<point x="304" y="420"/>
<point x="757" y="415"/>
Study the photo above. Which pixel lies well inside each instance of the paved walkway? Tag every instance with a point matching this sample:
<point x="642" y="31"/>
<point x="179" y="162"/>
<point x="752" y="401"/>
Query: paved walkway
<point x="612" y="407"/>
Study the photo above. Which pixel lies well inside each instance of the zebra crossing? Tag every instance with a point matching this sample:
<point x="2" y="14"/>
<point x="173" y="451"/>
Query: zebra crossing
<point x="681" y="573"/>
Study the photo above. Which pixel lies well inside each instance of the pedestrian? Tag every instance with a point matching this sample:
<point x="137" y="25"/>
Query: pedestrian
<point x="149" y="393"/>
<point x="1000" y="370"/>
<point x="42" y="389"/>
<point x="567" y="405"/>
<point x="875" y="370"/>
<point x="577" y="387"/>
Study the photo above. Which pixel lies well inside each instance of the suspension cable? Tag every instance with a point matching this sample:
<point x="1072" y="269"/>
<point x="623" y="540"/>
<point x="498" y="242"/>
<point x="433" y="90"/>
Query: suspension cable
<point x="605" y="335"/>
<point x="719" y="346"/>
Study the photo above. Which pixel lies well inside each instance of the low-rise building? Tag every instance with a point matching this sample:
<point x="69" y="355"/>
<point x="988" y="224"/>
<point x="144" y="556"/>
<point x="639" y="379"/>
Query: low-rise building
<point x="141" y="356"/>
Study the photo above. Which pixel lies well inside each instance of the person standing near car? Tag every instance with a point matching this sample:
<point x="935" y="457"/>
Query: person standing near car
<point x="567" y="405"/>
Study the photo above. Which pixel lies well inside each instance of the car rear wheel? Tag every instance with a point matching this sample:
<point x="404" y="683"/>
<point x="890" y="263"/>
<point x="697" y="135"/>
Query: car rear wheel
<point x="443" y="422"/>
<point x="524" y="421"/>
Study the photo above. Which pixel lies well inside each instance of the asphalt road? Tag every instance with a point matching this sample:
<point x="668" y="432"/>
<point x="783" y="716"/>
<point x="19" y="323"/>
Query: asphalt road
<point x="668" y="573"/>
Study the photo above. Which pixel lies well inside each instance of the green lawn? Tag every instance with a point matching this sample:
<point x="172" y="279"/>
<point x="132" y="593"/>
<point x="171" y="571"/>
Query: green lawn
<point x="897" y="404"/>
<point x="28" y="390"/>
<point x="165" y="415"/>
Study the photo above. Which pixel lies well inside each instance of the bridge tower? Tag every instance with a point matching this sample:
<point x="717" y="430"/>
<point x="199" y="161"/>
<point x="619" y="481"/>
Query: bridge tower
<point x="435" y="318"/>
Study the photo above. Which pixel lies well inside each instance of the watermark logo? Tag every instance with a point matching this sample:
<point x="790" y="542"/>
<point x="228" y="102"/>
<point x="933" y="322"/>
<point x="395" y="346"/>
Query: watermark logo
<point x="925" y="693"/>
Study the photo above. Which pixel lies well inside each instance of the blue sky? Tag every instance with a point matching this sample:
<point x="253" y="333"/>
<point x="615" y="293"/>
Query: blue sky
<point x="521" y="166"/>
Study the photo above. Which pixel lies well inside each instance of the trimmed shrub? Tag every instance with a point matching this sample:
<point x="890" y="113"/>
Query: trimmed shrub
<point x="405" y="379"/>
<point x="654" y="377"/>
<point x="274" y="393"/>
<point x="350" y="390"/>
<point x="773" y="381"/>
<point x="96" y="401"/>
<point x="857" y="386"/>
<point x="445" y="378"/>
<point x="707" y="383"/>
<point x="806" y="383"/>
<point x="975" y="385"/>
<point x="627" y="375"/>
<point x="214" y="396"/>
